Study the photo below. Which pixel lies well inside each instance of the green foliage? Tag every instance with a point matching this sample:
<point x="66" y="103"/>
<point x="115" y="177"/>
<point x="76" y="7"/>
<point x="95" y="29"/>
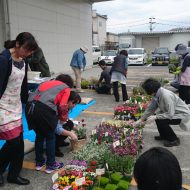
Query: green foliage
<point x="138" y="90"/>
<point x="122" y="185"/>
<point x="81" y="133"/>
<point x="113" y="181"/>
<point x="84" y="83"/>
<point x="92" y="152"/>
<point x="161" y="80"/>
<point x="104" y="181"/>
<point x="116" y="177"/>
<point x="122" y="164"/>
<point x="149" y="61"/>
<point x="97" y="188"/>
<point x="174" y="60"/>
<point x="110" y="187"/>
<point x="172" y="68"/>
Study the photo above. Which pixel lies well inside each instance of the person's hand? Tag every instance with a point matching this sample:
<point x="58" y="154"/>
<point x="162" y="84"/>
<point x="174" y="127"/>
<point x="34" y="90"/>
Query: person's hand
<point x="137" y="123"/>
<point x="73" y="136"/>
<point x="150" y="119"/>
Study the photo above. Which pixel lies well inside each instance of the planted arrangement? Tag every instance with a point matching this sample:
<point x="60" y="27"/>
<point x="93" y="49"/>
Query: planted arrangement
<point x="106" y="161"/>
<point x="84" y="84"/>
<point x="138" y="91"/>
<point x="129" y="138"/>
<point x="174" y="69"/>
<point x="132" y="109"/>
<point x="81" y="130"/>
<point x="92" y="151"/>
<point x="89" y="84"/>
<point x="74" y="180"/>
<point x="112" y="181"/>
<point x="81" y="133"/>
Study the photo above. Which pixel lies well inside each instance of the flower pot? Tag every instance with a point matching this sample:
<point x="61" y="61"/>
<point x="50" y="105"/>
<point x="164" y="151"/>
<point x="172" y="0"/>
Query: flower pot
<point x="77" y="145"/>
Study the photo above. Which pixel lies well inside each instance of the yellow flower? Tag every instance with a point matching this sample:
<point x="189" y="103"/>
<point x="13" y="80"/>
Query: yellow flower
<point x="73" y="184"/>
<point x="72" y="176"/>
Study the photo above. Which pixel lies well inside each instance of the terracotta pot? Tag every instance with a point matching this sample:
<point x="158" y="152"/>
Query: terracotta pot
<point x="77" y="145"/>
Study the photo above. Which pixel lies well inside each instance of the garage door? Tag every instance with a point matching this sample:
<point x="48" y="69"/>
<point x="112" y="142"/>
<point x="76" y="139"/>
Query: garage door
<point x="150" y="43"/>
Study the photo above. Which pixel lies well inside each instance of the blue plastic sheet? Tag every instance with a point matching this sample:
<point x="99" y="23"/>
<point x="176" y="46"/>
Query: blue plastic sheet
<point x="30" y="135"/>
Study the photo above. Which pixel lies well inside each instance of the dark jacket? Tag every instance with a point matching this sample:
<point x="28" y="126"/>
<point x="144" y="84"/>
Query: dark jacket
<point x="105" y="75"/>
<point x="120" y="64"/>
<point x="37" y="62"/>
<point x="5" y="71"/>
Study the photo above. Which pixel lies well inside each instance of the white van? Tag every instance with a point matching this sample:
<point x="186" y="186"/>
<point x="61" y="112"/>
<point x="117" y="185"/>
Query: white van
<point x="137" y="56"/>
<point x="96" y="53"/>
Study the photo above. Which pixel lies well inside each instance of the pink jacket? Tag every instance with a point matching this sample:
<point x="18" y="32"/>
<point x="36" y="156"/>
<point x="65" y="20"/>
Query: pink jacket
<point x="185" y="77"/>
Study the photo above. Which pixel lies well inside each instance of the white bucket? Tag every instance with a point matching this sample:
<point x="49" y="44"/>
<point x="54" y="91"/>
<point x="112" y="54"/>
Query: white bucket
<point x="33" y="75"/>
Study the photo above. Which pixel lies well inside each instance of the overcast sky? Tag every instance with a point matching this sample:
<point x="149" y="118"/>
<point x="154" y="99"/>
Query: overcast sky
<point x="133" y="15"/>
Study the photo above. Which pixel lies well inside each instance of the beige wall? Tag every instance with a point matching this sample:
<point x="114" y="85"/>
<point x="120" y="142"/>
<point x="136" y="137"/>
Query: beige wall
<point x="99" y="29"/>
<point x="2" y="21"/>
<point x="60" y="26"/>
<point x="112" y="37"/>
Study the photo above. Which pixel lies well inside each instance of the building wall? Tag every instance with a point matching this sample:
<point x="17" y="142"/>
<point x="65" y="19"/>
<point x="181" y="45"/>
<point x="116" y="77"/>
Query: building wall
<point x="60" y="26"/>
<point x="2" y="32"/>
<point x="159" y="40"/>
<point x="98" y="28"/>
<point x="183" y="38"/>
<point x="94" y="28"/>
<point x="138" y="41"/>
<point x="112" y="37"/>
<point x="101" y="31"/>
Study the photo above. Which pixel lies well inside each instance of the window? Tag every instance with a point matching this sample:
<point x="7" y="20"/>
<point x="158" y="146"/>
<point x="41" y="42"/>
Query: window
<point x="100" y="24"/>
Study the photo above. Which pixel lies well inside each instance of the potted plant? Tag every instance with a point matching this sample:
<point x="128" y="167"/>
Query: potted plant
<point x="81" y="132"/>
<point x="84" y="84"/>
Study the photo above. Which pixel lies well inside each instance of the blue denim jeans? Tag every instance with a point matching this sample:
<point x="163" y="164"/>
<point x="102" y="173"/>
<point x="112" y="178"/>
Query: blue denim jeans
<point x="49" y="138"/>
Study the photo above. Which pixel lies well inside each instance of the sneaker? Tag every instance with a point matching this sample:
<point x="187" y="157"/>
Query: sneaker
<point x="40" y="165"/>
<point x="53" y="167"/>
<point x="172" y="143"/>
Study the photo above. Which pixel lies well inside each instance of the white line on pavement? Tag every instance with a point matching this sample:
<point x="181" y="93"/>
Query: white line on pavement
<point x="185" y="169"/>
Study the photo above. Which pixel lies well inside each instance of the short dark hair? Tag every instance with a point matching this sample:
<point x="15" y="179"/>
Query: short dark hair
<point x="158" y="169"/>
<point x="75" y="97"/>
<point x="24" y="39"/>
<point x="151" y="86"/>
<point x="123" y="52"/>
<point x="102" y="62"/>
<point x="67" y="79"/>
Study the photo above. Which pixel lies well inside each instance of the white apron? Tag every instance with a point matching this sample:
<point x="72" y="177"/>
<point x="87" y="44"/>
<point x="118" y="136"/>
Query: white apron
<point x="11" y="107"/>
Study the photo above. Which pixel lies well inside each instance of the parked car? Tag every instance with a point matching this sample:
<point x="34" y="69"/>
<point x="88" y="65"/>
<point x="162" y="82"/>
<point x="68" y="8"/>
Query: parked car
<point x="108" y="56"/>
<point x="137" y="56"/>
<point x="161" y="56"/>
<point x="96" y="53"/>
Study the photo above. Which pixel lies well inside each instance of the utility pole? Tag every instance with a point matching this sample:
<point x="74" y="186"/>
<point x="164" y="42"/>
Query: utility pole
<point x="151" y="23"/>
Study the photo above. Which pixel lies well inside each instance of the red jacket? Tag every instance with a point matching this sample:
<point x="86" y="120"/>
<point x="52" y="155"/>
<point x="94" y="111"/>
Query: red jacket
<point x="54" y="94"/>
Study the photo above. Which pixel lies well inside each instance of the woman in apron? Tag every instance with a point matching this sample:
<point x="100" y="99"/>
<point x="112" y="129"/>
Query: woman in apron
<point x="13" y="90"/>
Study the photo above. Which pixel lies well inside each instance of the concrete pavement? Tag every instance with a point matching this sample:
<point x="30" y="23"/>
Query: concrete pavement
<point x="104" y="109"/>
